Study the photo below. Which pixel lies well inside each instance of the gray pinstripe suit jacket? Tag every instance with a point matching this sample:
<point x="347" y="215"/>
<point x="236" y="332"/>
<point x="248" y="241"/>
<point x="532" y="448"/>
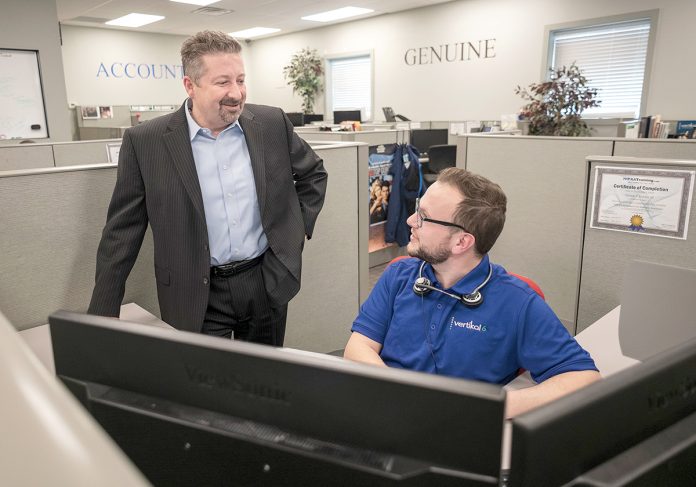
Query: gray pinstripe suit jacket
<point x="157" y="183"/>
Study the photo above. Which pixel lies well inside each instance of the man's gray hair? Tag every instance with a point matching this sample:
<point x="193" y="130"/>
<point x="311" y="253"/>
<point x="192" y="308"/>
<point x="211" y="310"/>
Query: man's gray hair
<point x="206" y="42"/>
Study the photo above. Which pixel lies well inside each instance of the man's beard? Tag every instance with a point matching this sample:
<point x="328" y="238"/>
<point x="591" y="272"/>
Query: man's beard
<point x="226" y="116"/>
<point x="437" y="256"/>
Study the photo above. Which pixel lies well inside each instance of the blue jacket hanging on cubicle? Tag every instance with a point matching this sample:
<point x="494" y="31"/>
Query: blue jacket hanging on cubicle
<point x="407" y="185"/>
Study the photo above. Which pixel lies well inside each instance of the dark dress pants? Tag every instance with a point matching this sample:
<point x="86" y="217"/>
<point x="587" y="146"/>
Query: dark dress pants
<point x="239" y="308"/>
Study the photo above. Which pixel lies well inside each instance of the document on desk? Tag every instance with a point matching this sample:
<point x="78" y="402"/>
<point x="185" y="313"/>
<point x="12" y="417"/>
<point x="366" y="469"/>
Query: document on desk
<point x="654" y="202"/>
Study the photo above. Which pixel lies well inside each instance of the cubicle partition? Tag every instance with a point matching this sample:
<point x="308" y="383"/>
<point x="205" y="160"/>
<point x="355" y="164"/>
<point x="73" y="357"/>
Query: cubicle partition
<point x="58" y="154"/>
<point x="379" y="252"/>
<point x="26" y="156"/>
<point x="370" y="137"/>
<point x="335" y="274"/>
<point x="657" y="148"/>
<point x="49" y="438"/>
<point x="545" y="180"/>
<point x="606" y="253"/>
<point x="51" y="226"/>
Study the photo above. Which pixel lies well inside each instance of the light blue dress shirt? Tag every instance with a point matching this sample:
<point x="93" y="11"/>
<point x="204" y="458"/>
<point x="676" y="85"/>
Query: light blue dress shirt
<point x="229" y="194"/>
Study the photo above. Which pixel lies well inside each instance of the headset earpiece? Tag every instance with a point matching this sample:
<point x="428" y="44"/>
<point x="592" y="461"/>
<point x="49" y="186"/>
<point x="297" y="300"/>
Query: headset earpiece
<point x="420" y="287"/>
<point x="473" y="299"/>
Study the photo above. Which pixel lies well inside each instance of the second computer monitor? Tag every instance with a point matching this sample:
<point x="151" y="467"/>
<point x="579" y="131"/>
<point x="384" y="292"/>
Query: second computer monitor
<point x="422" y="139"/>
<point x="559" y="442"/>
<point x="346" y="116"/>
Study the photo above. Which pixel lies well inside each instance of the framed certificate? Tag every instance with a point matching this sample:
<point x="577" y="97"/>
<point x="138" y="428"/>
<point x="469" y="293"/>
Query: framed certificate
<point x="653" y="202"/>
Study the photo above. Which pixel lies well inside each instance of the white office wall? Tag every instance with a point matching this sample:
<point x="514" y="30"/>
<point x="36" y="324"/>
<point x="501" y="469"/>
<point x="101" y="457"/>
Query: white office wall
<point x="33" y="24"/>
<point x="89" y="55"/>
<point x="482" y="88"/>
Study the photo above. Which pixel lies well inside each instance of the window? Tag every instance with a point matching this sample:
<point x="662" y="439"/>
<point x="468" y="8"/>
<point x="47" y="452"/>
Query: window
<point x="613" y="56"/>
<point x="349" y="84"/>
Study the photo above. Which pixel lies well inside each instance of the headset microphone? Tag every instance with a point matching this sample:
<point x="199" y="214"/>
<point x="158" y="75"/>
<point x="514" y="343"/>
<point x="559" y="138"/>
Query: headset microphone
<point x="423" y="286"/>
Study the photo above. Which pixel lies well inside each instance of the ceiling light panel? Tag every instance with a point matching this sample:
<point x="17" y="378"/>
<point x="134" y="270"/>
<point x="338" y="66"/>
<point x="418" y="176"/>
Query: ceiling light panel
<point x="253" y="32"/>
<point x="134" y="20"/>
<point x="338" y="14"/>
<point x="201" y="3"/>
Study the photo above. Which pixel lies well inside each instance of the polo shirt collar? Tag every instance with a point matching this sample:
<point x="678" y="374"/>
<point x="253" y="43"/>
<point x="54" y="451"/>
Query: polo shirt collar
<point x="469" y="282"/>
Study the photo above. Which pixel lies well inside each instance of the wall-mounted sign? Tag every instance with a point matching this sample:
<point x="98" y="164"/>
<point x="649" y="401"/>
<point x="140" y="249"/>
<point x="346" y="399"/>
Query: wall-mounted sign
<point x="644" y="201"/>
<point x="450" y="53"/>
<point x="139" y="71"/>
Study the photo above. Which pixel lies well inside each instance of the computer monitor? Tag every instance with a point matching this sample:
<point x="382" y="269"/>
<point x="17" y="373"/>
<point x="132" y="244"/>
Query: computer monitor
<point x="190" y="409"/>
<point x="390" y="116"/>
<point x="666" y="459"/>
<point x="313" y="117"/>
<point x="559" y="442"/>
<point x="346" y="116"/>
<point x="296" y="118"/>
<point x="422" y="139"/>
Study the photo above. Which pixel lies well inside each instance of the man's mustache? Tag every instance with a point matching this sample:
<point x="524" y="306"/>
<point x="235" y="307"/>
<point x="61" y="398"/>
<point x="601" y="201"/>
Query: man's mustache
<point x="230" y="101"/>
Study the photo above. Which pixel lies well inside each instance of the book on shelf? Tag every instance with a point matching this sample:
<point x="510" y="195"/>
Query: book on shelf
<point x="631" y="128"/>
<point x="685" y="127"/>
<point x="645" y="127"/>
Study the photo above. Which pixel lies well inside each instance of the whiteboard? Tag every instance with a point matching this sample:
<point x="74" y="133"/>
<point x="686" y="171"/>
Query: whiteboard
<point x="22" y="115"/>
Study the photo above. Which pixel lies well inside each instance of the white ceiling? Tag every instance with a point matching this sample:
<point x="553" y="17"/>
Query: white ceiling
<point x="179" y="19"/>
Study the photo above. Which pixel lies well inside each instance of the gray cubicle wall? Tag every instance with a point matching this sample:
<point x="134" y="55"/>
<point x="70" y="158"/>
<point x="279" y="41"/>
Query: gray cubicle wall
<point x="51" y="225"/>
<point x="335" y="274"/>
<point x="606" y="253"/>
<point x="656" y="148"/>
<point x="371" y="138"/>
<point x="545" y="180"/>
<point x="59" y="154"/>
<point x="78" y="153"/>
<point x="25" y="156"/>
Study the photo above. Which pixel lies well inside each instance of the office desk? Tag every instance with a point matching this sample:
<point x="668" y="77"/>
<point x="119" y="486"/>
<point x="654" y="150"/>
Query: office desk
<point x="39" y="337"/>
<point x="601" y="340"/>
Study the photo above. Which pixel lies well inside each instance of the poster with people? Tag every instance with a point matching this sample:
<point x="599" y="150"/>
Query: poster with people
<point x="379" y="163"/>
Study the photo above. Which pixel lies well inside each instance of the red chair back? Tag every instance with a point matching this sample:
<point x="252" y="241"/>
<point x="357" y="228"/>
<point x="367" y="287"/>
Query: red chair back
<point x="531" y="284"/>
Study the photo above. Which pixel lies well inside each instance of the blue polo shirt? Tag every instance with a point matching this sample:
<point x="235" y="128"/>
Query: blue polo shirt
<point x="513" y="328"/>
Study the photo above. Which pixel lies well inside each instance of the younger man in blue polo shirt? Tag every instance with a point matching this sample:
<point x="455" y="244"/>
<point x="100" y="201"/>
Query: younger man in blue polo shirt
<point x="429" y="313"/>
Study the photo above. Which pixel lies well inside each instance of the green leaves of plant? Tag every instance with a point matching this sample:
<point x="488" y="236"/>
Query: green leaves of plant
<point x="304" y="75"/>
<point x="555" y="106"/>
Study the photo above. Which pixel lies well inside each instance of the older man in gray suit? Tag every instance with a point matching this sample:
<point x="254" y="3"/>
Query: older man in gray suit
<point x="230" y="192"/>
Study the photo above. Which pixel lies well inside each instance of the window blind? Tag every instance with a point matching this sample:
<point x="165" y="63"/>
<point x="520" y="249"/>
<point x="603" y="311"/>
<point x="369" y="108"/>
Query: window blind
<point x="351" y="84"/>
<point x="612" y="57"/>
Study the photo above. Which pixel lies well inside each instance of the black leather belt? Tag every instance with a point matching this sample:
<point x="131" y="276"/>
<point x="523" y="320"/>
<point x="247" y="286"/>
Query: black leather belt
<point x="232" y="268"/>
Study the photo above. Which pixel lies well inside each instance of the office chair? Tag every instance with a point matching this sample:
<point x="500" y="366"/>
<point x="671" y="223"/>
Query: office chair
<point x="439" y="157"/>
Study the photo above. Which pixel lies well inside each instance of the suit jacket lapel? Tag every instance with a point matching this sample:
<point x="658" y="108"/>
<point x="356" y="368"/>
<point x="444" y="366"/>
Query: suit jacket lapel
<point x="178" y="142"/>
<point x="253" y="133"/>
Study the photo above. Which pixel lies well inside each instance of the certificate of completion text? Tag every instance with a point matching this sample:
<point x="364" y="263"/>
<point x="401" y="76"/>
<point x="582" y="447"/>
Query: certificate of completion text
<point x="647" y="201"/>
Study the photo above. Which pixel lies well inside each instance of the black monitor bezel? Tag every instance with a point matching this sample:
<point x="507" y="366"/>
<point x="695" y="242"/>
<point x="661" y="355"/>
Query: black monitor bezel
<point x="431" y="136"/>
<point x="557" y="442"/>
<point x="340" y="116"/>
<point x="108" y="352"/>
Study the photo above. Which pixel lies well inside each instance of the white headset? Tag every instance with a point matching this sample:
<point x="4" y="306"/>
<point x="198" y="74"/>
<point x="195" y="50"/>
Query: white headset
<point x="423" y="286"/>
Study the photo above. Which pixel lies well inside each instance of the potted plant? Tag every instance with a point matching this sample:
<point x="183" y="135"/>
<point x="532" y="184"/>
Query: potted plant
<point x="304" y="75"/>
<point x="555" y="106"/>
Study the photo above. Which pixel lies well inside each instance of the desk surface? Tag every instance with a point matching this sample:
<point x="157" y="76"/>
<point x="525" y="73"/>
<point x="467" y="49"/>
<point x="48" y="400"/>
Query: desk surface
<point x="39" y="337"/>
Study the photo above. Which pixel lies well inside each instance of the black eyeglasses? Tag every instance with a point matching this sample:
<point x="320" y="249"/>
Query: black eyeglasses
<point x="420" y="219"/>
